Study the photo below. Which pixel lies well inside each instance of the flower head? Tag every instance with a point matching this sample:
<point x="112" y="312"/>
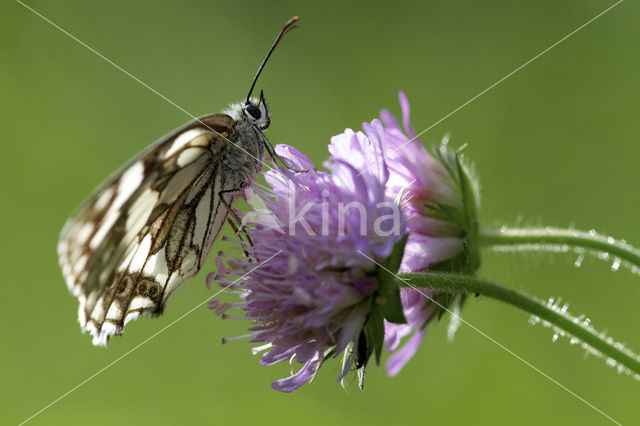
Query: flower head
<point x="320" y="236"/>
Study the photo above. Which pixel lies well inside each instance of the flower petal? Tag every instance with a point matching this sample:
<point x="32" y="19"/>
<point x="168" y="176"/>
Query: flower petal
<point x="406" y="120"/>
<point x="291" y="383"/>
<point x="421" y="251"/>
<point x="399" y="358"/>
<point x="293" y="157"/>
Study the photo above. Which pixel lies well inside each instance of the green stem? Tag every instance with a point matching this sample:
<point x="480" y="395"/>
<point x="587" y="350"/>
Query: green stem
<point x="525" y="239"/>
<point x="553" y="314"/>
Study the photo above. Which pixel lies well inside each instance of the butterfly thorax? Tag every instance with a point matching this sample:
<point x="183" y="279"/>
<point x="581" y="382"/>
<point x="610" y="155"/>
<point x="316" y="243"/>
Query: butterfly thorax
<point x="244" y="156"/>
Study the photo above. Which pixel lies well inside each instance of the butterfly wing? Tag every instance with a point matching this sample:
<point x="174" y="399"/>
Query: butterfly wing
<point x="148" y="229"/>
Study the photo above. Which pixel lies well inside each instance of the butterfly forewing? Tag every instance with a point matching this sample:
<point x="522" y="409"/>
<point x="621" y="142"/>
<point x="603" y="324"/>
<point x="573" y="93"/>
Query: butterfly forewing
<point x="148" y="229"/>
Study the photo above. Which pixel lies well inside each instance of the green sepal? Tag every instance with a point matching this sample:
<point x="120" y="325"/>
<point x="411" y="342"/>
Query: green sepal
<point x="329" y="354"/>
<point x="452" y="213"/>
<point x="470" y="199"/>
<point x="373" y="333"/>
<point x="392" y="263"/>
<point x="371" y="339"/>
<point x="386" y="305"/>
<point x="460" y="264"/>
<point x="387" y="299"/>
<point x="361" y="377"/>
<point x="463" y="176"/>
<point x="455" y="317"/>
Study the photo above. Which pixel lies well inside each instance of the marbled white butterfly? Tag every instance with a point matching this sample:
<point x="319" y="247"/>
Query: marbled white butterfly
<point x="150" y="227"/>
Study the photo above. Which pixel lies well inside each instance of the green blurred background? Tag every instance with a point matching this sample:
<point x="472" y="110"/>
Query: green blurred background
<point x="556" y="143"/>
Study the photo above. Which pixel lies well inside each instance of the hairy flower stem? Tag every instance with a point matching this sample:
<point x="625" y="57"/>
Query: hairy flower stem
<point x="552" y="239"/>
<point x="468" y="284"/>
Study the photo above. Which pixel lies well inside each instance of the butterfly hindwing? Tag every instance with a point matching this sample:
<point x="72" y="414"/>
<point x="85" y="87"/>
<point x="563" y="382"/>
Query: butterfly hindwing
<point x="148" y="229"/>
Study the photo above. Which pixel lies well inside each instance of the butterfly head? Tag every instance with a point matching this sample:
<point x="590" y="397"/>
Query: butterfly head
<point x="253" y="112"/>
<point x="257" y="112"/>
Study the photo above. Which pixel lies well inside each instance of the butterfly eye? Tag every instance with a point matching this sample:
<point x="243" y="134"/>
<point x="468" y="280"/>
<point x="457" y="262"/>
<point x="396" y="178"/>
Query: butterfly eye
<point x="253" y="111"/>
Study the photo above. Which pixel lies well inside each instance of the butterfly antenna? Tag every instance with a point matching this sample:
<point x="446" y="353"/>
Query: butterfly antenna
<point x="291" y="24"/>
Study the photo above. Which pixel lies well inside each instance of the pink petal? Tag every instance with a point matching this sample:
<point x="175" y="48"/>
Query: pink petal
<point x="399" y="358"/>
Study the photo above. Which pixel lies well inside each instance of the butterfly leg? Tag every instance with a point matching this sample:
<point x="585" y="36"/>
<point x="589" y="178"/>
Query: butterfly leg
<point x="234" y="220"/>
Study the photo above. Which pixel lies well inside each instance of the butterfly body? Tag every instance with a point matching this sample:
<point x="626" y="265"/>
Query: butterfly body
<point x="150" y="227"/>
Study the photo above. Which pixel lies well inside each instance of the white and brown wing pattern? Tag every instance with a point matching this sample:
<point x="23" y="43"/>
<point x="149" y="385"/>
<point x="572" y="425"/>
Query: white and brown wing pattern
<point x="147" y="230"/>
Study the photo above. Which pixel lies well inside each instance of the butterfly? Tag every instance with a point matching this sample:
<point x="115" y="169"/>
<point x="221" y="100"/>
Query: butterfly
<point x="149" y="228"/>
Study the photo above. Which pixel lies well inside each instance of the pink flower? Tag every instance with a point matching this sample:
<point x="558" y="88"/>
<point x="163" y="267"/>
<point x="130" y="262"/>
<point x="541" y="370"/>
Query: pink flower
<point x="315" y="292"/>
